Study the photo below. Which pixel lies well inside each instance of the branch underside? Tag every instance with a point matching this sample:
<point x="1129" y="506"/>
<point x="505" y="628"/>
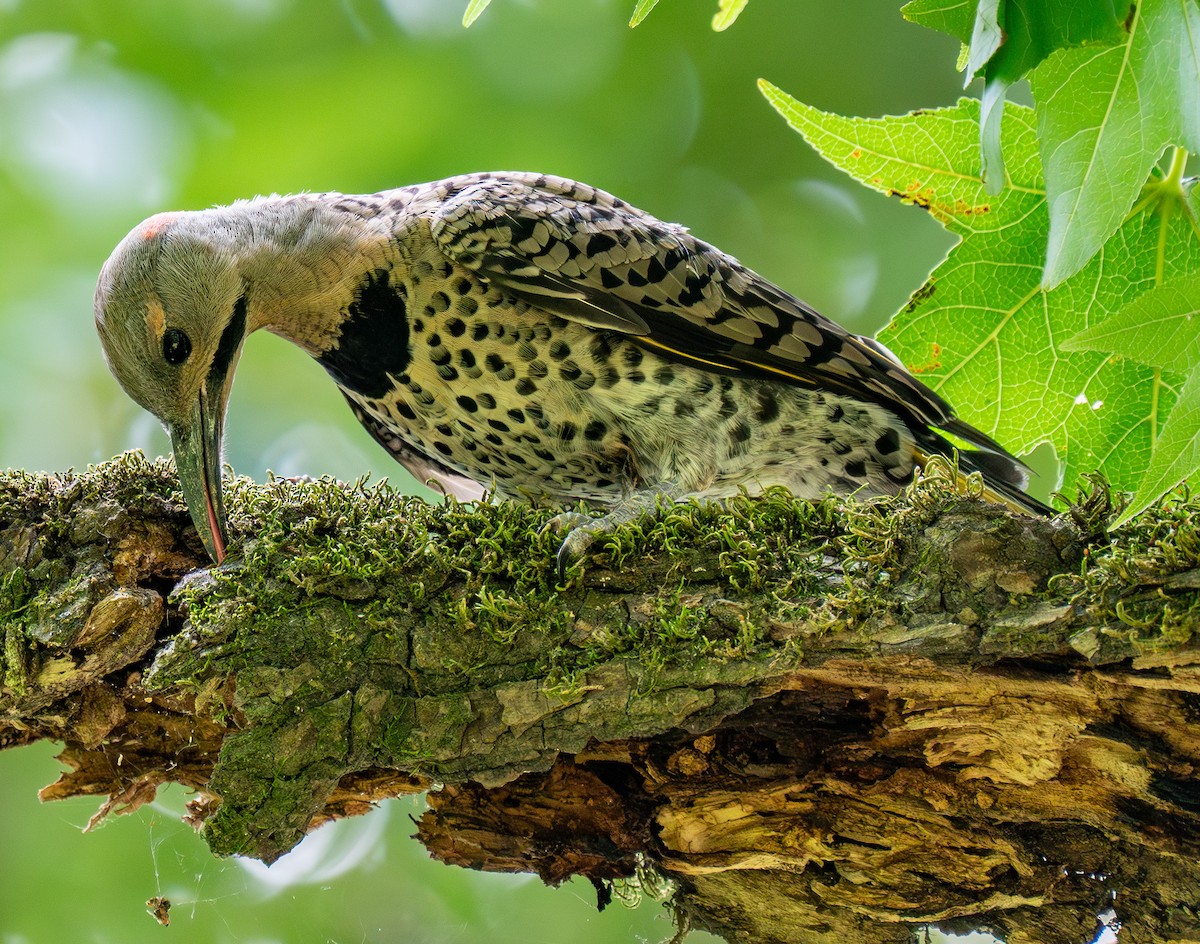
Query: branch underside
<point x="824" y="722"/>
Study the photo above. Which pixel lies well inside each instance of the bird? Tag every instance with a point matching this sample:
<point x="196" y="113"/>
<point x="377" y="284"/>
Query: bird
<point x="529" y="337"/>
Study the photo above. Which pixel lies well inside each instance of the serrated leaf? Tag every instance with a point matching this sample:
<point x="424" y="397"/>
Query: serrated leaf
<point x="474" y="8"/>
<point x="983" y="331"/>
<point x="1160" y="327"/>
<point x="956" y="17"/>
<point x="1105" y="116"/>
<point x="1177" y="453"/>
<point x="727" y="12"/>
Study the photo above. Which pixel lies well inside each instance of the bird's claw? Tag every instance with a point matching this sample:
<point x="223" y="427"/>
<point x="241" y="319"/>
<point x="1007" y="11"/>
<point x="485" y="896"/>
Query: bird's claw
<point x="578" y="537"/>
<point x="573" y="547"/>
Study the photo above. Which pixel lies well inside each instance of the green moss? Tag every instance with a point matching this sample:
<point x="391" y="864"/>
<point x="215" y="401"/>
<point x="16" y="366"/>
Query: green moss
<point x="416" y="626"/>
<point x="1143" y="581"/>
<point x="475" y="585"/>
<point x="16" y="595"/>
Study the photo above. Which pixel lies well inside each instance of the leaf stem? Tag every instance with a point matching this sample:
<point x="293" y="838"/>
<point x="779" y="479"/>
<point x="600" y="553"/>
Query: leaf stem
<point x="1174" y="178"/>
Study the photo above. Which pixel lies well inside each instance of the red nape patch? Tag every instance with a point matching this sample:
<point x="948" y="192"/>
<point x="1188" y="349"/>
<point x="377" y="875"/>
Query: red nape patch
<point x="153" y="226"/>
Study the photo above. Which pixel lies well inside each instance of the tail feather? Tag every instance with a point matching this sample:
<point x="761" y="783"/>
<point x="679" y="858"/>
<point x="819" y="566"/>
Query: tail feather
<point x="1004" y="475"/>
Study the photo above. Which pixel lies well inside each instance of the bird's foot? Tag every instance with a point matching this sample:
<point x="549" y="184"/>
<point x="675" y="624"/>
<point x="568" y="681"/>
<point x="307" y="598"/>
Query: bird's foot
<point x="579" y="532"/>
<point x="582" y="531"/>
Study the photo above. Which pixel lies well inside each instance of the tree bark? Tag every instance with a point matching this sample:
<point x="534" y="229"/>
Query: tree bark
<point x="822" y="723"/>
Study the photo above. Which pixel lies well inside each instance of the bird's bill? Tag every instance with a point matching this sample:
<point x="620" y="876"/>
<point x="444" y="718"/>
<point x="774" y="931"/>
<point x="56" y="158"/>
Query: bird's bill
<point x="197" y="447"/>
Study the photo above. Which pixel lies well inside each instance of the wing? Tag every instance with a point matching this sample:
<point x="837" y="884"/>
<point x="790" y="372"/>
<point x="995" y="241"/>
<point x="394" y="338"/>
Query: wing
<point x="589" y="257"/>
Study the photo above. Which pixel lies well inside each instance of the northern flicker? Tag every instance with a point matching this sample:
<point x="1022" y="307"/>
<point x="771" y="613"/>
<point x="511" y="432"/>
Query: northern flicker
<point x="528" y="334"/>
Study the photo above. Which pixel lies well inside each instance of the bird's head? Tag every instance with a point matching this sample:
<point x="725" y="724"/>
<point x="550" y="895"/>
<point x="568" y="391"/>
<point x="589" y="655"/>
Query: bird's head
<point x="171" y="311"/>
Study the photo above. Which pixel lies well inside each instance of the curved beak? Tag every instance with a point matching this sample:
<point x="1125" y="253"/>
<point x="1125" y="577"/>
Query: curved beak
<point x="197" y="447"/>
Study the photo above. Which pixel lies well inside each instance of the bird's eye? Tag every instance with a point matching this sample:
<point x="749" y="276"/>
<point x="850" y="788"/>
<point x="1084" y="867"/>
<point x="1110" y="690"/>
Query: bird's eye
<point x="176" y="346"/>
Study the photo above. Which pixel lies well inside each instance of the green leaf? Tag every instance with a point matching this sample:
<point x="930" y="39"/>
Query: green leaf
<point x="983" y="330"/>
<point x="1104" y="117"/>
<point x="986" y="36"/>
<point x="474" y="8"/>
<point x="1032" y="30"/>
<point x="956" y="17"/>
<point x="1177" y="453"/>
<point x="641" y="11"/>
<point x="1160" y="327"/>
<point x="1007" y="38"/>
<point x="727" y="12"/>
<point x="991" y="102"/>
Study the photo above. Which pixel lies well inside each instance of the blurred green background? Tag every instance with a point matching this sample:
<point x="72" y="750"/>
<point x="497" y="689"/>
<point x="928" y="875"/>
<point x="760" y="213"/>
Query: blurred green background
<point x="111" y="110"/>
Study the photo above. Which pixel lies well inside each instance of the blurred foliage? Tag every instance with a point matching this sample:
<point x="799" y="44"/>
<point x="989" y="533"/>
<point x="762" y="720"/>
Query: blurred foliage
<point x="112" y="111"/>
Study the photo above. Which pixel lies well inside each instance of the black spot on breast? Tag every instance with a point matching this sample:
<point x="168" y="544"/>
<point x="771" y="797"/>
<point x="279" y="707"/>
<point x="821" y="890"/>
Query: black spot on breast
<point x="768" y="407"/>
<point x="374" y="340"/>
<point x="601" y="346"/>
<point x="584" y="380"/>
<point x="857" y="469"/>
<point x="889" y="442"/>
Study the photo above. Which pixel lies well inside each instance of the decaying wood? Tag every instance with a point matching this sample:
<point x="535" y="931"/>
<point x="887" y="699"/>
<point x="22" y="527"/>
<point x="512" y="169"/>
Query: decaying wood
<point x="823" y="724"/>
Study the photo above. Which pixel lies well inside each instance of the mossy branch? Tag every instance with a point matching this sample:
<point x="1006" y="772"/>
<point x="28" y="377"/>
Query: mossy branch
<point x="823" y="722"/>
